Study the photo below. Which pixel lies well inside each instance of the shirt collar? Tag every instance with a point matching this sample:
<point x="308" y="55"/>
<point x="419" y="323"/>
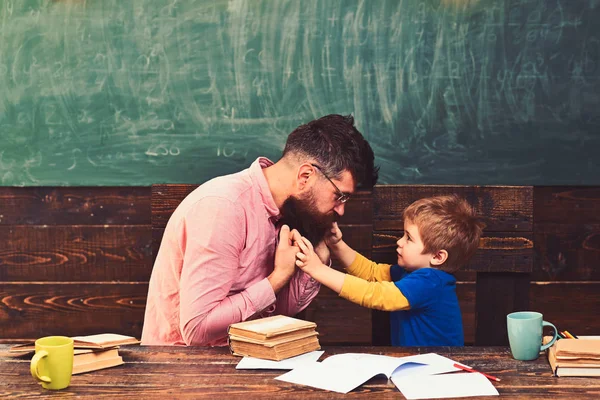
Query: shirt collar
<point x="258" y="179"/>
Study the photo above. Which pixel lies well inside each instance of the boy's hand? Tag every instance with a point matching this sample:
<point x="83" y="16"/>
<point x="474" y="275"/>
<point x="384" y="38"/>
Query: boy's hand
<point x="306" y="259"/>
<point x="333" y="236"/>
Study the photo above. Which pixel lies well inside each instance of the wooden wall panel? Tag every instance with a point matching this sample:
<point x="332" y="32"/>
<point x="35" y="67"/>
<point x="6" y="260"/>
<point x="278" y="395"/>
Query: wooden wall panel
<point x="466" y="293"/>
<point x="574" y="306"/>
<point x="31" y="310"/>
<point x="498" y="294"/>
<point x="73" y="261"/>
<point x="74" y="205"/>
<point x="77" y="260"/>
<point x="165" y="199"/>
<point x="75" y="253"/>
<point x="567" y="233"/>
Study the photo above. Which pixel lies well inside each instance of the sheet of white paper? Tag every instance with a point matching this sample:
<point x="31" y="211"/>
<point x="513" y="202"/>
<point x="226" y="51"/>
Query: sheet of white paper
<point x="343" y="372"/>
<point x="444" y="386"/>
<point x="290" y="363"/>
<point x="337" y="378"/>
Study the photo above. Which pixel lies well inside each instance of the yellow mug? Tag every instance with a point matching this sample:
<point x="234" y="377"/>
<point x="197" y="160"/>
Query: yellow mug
<point x="52" y="364"/>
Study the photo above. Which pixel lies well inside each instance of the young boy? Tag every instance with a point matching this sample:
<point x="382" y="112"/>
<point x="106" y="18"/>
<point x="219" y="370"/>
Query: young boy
<point x="439" y="233"/>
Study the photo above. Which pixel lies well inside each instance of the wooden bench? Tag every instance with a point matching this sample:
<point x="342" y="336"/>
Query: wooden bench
<point x="77" y="261"/>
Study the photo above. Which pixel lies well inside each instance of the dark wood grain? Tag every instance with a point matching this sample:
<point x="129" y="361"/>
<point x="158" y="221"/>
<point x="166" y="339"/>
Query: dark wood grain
<point x="60" y="247"/>
<point x="571" y="306"/>
<point x="567" y="233"/>
<point x="567" y="252"/>
<point x="128" y="205"/>
<point x="192" y="372"/>
<point x="498" y="294"/>
<point x="576" y="205"/>
<point x="31" y="310"/>
<point x="75" y="253"/>
<point x="165" y="199"/>
<point x="502" y="208"/>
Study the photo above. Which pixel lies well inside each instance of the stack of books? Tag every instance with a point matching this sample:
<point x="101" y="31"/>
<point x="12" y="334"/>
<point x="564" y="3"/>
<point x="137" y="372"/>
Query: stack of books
<point x="575" y="357"/>
<point x="91" y="353"/>
<point x="273" y="338"/>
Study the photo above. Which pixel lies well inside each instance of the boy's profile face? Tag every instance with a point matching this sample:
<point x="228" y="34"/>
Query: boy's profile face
<point x="410" y="249"/>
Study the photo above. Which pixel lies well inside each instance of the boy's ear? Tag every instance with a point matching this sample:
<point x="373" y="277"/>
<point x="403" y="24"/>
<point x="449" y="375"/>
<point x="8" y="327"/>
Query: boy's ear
<point x="439" y="258"/>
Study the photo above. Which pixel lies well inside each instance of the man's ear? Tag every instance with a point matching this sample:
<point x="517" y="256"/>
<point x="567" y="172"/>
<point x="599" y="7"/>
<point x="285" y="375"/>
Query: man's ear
<point x="439" y="258"/>
<point x="305" y="171"/>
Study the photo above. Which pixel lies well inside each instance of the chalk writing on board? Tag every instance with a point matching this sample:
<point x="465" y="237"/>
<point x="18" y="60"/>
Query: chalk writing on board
<point x="120" y="93"/>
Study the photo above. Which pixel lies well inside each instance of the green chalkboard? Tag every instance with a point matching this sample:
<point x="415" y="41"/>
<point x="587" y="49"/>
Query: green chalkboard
<point x="114" y="92"/>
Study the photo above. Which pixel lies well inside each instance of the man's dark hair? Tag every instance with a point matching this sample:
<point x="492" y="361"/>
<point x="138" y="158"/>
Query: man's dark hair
<point x="336" y="145"/>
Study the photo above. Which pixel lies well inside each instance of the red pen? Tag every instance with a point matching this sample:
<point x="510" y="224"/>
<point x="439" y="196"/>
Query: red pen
<point x="490" y="377"/>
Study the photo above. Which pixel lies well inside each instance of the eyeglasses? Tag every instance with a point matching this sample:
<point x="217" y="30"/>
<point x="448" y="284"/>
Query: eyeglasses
<point x="342" y="197"/>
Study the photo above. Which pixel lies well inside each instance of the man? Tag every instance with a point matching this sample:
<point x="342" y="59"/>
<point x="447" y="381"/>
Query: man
<point x="222" y="259"/>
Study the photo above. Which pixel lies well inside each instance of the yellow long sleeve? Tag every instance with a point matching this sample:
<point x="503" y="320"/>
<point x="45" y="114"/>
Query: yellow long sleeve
<point x="368" y="270"/>
<point x="369" y="285"/>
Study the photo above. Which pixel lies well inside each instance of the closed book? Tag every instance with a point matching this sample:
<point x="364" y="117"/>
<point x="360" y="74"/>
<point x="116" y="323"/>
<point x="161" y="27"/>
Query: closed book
<point x="265" y="328"/>
<point x="275" y="352"/>
<point x="84" y="356"/>
<point x="572" y="365"/>
<point x="80" y="368"/>
<point x="292" y="336"/>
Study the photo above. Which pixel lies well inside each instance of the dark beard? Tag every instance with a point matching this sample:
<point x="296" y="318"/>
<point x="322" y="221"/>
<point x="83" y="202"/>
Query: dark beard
<point x="303" y="216"/>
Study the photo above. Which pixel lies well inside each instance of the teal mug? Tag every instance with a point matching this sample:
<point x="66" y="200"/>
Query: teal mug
<point x="525" y="334"/>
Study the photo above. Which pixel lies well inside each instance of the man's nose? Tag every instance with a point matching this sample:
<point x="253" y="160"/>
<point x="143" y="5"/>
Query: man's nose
<point x="339" y="209"/>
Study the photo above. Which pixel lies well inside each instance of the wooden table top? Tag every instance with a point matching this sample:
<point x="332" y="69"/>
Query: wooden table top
<point x="195" y="372"/>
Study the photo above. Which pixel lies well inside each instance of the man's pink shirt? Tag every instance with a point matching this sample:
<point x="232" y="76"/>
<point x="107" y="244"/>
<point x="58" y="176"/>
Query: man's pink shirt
<point x="211" y="270"/>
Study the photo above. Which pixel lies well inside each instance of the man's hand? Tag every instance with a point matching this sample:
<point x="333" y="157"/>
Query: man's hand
<point x="285" y="255"/>
<point x="333" y="236"/>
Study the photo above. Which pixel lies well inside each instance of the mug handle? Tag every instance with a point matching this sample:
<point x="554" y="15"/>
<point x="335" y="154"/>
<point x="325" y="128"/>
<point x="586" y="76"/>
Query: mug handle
<point x="34" y="366"/>
<point x="550" y="343"/>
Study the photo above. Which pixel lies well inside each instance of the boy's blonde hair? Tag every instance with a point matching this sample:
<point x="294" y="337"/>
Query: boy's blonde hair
<point x="446" y="223"/>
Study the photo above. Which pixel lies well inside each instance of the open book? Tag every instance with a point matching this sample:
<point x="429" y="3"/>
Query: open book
<point x="344" y="372"/>
<point x="93" y="342"/>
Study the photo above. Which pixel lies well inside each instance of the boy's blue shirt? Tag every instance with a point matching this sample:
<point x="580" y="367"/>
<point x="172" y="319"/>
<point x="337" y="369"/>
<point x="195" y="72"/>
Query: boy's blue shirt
<point x="434" y="318"/>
